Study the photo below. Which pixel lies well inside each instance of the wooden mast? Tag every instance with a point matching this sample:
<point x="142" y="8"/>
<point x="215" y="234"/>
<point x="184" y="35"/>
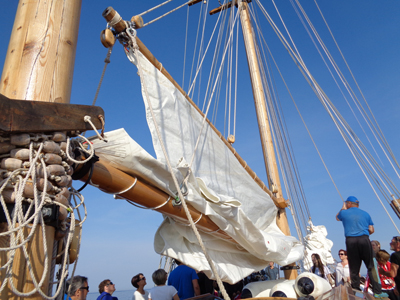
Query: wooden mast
<point x="39" y="66"/>
<point x="263" y="123"/>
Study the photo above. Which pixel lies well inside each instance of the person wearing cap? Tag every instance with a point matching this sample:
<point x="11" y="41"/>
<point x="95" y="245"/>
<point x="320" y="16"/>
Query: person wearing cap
<point x="358" y="226"/>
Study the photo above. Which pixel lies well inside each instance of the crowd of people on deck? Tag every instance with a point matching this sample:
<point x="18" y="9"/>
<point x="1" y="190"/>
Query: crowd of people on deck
<point x="183" y="282"/>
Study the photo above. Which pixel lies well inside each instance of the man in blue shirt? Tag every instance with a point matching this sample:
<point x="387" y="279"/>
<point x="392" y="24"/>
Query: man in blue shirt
<point x="358" y="226"/>
<point x="185" y="280"/>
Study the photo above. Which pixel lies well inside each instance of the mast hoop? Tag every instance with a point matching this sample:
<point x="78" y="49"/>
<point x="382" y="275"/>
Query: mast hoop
<point x="129" y="188"/>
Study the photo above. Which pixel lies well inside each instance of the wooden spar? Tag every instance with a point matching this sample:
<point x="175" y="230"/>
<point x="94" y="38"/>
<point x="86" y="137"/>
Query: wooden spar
<point x="263" y="123"/>
<point x="113" y="181"/>
<point x="108" y="14"/>
<point x="39" y="66"/>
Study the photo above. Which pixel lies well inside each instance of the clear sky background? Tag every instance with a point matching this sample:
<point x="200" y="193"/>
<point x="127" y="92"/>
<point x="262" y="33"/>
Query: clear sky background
<point x="117" y="238"/>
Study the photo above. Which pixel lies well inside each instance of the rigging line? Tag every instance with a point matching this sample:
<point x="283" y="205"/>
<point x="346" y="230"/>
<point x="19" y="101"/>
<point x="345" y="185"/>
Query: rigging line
<point x="211" y="96"/>
<point x="321" y="95"/>
<point x="215" y="57"/>
<point x="155" y="7"/>
<point x="204" y="55"/>
<point x="166" y="14"/>
<point x="359" y="89"/>
<point x="342" y="78"/>
<point x="184" y="55"/>
<point x="394" y="224"/>
<point x="236" y="73"/>
<point x="181" y="197"/>
<point x="303" y="121"/>
<point x="282" y="125"/>
<point x="195" y="47"/>
<point x="357" y="102"/>
<point x="201" y="47"/>
<point x="106" y="62"/>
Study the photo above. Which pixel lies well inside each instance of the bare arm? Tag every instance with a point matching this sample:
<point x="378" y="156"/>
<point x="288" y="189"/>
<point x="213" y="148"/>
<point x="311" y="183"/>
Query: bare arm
<point x="371" y="229"/>
<point x="176" y="297"/>
<point x="344" y="207"/>
<point x="196" y="287"/>
<point x="392" y="272"/>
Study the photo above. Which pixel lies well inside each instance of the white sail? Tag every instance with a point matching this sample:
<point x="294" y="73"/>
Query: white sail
<point x="220" y="188"/>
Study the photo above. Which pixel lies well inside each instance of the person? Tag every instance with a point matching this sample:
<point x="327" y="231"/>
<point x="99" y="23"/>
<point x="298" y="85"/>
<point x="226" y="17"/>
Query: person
<point x="185" y="280"/>
<point x="358" y="226"/>
<point x="376" y="246"/>
<point x="139" y="281"/>
<point x="78" y="288"/>
<point x="271" y="272"/>
<point x="387" y="282"/>
<point x="205" y="284"/>
<point x="342" y="269"/>
<point x="394" y="264"/>
<point x="106" y="289"/>
<point x="319" y="268"/>
<point x="162" y="291"/>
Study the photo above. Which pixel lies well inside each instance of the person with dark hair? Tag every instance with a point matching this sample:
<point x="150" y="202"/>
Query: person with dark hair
<point x="106" y="289"/>
<point x="319" y="268"/>
<point x="342" y="269"/>
<point x="185" y="280"/>
<point x="162" y="291"/>
<point x="78" y="287"/>
<point x="139" y="281"/>
<point x="358" y="226"/>
<point x="394" y="264"/>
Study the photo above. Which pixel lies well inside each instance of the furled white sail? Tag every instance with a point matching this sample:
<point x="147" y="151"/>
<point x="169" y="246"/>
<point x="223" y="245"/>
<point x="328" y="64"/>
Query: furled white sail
<point x="219" y="188"/>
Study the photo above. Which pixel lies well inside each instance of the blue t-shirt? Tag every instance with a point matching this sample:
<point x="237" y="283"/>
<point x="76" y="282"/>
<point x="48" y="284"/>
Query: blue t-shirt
<point x="355" y="221"/>
<point x="106" y="296"/>
<point x="181" y="278"/>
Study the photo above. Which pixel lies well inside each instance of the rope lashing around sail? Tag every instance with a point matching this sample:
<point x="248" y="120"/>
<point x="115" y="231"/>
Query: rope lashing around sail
<point x="36" y="180"/>
<point x="133" y="44"/>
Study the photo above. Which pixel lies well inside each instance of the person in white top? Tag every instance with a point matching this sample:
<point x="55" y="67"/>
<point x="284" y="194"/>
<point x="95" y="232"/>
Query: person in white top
<point x="342" y="269"/>
<point x="162" y="291"/>
<point x="139" y="281"/>
<point x="319" y="268"/>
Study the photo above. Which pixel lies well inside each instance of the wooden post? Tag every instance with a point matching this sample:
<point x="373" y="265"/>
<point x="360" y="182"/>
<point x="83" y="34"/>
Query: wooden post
<point x="263" y="123"/>
<point x="39" y="66"/>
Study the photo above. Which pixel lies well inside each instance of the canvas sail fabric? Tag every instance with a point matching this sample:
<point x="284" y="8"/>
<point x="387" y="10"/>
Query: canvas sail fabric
<point x="316" y="241"/>
<point x="219" y="188"/>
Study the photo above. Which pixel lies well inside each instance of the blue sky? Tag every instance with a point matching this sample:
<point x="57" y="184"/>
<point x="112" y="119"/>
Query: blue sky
<point x="117" y="237"/>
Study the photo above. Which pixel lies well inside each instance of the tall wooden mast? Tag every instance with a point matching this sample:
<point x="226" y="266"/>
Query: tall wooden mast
<point x="262" y="117"/>
<point x="39" y="66"/>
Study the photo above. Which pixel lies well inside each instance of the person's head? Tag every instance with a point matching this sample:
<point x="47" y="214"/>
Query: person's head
<point x="160" y="277"/>
<point x="342" y="254"/>
<point x="316" y="259"/>
<point x="178" y="263"/>
<point x="78" y="287"/>
<point x="395" y="243"/>
<point x="376" y="246"/>
<point x="138" y="280"/>
<point x="271" y="264"/>
<point x="352" y="202"/>
<point x="107" y="286"/>
<point x="382" y="256"/>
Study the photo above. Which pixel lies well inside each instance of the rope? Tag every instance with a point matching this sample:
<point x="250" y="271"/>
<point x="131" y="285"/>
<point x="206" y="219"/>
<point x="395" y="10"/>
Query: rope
<point x="32" y="218"/>
<point x="166" y="14"/>
<point x="188" y="215"/>
<point x="151" y="9"/>
<point x="106" y="62"/>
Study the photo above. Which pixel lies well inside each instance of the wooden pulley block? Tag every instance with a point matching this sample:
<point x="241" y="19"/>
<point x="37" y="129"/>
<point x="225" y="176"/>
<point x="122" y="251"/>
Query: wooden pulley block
<point x="64" y="192"/>
<point x="138" y="21"/>
<point x="8" y="195"/>
<point x="59" y="136"/>
<point x="53" y="159"/>
<point x="51" y="147"/>
<point x="231" y="139"/>
<point x="107" y="38"/>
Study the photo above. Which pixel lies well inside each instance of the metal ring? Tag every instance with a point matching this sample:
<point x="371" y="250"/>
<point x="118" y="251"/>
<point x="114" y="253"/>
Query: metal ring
<point x="124" y="191"/>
